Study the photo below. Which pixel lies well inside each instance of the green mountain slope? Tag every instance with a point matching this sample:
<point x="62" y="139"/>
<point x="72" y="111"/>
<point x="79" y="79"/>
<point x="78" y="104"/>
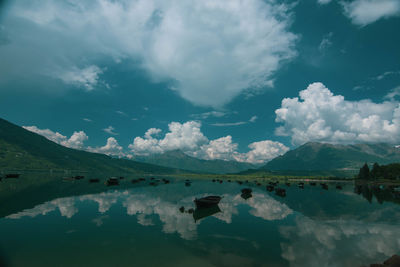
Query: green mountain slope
<point x="328" y="157"/>
<point x="178" y="159"/>
<point x="21" y="149"/>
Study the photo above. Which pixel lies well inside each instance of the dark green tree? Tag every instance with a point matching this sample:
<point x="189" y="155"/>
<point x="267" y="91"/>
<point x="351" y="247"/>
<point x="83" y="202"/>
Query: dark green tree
<point x="376" y="171"/>
<point x="364" y="172"/>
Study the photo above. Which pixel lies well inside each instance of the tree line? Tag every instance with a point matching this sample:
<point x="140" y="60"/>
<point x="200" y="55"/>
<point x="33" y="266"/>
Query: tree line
<point x="390" y="171"/>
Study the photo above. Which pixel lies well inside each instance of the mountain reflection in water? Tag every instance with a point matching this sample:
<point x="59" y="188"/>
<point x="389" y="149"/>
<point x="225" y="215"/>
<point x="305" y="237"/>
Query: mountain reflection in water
<point x="309" y="227"/>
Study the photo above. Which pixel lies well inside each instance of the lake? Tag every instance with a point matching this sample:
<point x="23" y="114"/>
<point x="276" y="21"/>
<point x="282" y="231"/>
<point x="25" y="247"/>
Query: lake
<point x="144" y="226"/>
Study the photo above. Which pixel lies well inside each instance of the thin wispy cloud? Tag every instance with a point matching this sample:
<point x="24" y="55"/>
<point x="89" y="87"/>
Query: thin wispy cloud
<point x="110" y="130"/>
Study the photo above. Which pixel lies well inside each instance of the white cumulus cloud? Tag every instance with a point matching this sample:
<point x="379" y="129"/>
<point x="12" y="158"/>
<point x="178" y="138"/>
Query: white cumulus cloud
<point x="111" y="148"/>
<point x="189" y="138"/>
<point x="364" y="12"/>
<point x="210" y="50"/>
<point x="76" y="140"/>
<point x="319" y="115"/>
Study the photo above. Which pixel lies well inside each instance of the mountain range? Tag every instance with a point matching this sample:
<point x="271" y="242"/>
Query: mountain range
<point x="316" y="157"/>
<point x="21" y="149"/>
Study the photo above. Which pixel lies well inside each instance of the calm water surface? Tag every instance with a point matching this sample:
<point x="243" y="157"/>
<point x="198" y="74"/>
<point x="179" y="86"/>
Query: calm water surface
<point x="143" y="226"/>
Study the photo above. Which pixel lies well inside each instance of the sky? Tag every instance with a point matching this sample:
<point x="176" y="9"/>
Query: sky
<point x="232" y="80"/>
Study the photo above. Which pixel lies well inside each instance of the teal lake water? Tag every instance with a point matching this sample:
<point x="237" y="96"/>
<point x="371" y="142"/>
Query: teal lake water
<point x="143" y="226"/>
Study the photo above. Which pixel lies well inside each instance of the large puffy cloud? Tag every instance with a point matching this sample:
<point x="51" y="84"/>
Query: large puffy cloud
<point x="364" y="12"/>
<point x="76" y="140"/>
<point x="111" y="148"/>
<point x="210" y="50"/>
<point x="186" y="137"/>
<point x="319" y="115"/>
<point x="189" y="138"/>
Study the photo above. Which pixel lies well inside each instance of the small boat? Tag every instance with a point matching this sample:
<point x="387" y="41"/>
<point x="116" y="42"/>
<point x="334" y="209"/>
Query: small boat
<point x="112" y="181"/>
<point x="121" y="177"/>
<point x="246" y="191"/>
<point x="188" y="183"/>
<point x="239" y="182"/>
<point x="153" y="183"/>
<point x="207" y="201"/>
<point x="313" y="184"/>
<point x="339" y="187"/>
<point x="12" y="175"/>
<point x="142" y="179"/>
<point x="270" y="188"/>
<point x="79" y="177"/>
<point x="324" y="186"/>
<point x="301" y="185"/>
<point x="280" y="192"/>
<point x="135" y="181"/>
<point x="213" y="180"/>
<point x="287" y="184"/>
<point x="94" y="180"/>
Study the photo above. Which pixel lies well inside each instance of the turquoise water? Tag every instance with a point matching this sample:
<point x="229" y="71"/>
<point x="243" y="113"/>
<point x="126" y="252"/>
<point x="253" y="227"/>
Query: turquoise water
<point x="143" y="226"/>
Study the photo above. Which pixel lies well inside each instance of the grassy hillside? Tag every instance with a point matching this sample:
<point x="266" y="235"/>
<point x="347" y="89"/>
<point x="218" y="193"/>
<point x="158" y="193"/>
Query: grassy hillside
<point x="178" y="159"/>
<point x="21" y="149"/>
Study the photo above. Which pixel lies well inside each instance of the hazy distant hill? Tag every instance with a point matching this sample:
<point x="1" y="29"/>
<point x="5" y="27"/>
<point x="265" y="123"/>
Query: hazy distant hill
<point x="178" y="159"/>
<point x="319" y="156"/>
<point x="24" y="150"/>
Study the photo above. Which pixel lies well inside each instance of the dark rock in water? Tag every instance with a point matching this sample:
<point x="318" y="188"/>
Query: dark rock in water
<point x="220" y="181"/>
<point x="191" y="210"/>
<point x="229" y="181"/>
<point x="12" y="175"/>
<point x="239" y="182"/>
<point x="280" y="192"/>
<point x="142" y="179"/>
<point x="246" y="195"/>
<point x="213" y="180"/>
<point x="112" y="181"/>
<point x="339" y="187"/>
<point x="182" y="209"/>
<point x="121" y="177"/>
<point x="246" y="190"/>
<point x="135" y="181"/>
<point x="270" y="188"/>
<point x="152" y="183"/>
<point x="188" y="183"/>
<point x="287" y="184"/>
<point x="324" y="186"/>
<point x="313" y="184"/>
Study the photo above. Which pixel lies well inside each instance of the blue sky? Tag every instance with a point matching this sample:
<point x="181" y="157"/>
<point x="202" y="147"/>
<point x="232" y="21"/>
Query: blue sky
<point x="234" y="80"/>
